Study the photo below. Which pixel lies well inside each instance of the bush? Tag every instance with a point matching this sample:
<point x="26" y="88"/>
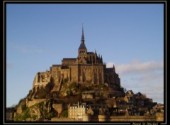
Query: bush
<point x="23" y="116"/>
<point x="73" y="85"/>
<point x="50" y="115"/>
<point x="64" y="113"/>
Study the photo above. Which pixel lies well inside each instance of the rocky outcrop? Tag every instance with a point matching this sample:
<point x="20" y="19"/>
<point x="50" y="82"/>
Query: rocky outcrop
<point x="40" y="110"/>
<point x="58" y="108"/>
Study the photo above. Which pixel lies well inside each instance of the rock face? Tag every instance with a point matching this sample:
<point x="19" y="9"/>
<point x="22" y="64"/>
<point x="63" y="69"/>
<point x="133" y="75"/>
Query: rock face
<point x="58" y="108"/>
<point x="39" y="110"/>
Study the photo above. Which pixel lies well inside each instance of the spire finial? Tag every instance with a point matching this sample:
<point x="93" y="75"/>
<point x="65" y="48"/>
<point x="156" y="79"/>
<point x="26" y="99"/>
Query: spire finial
<point x="82" y="37"/>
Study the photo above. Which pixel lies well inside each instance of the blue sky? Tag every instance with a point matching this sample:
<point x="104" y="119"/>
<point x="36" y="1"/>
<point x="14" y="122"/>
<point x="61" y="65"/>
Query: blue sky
<point x="130" y="36"/>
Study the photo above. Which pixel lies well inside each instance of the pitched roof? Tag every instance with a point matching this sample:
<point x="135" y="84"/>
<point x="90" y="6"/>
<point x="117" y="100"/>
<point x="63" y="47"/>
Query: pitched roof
<point x="69" y="59"/>
<point x="82" y="46"/>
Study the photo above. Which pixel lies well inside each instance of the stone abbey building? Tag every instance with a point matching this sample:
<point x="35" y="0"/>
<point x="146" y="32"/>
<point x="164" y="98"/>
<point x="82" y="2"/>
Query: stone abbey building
<point x="86" y="68"/>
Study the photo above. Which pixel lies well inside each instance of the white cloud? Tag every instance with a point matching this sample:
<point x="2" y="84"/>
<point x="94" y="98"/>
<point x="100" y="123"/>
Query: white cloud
<point x="139" y="67"/>
<point x="109" y="65"/>
<point x="145" y="77"/>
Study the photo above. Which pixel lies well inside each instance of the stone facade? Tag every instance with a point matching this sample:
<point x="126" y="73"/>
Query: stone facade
<point x="42" y="78"/>
<point x="77" y="111"/>
<point x="87" y="68"/>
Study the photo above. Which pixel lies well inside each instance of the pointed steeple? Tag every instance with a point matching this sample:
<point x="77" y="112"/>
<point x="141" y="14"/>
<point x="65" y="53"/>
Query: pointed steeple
<point x="82" y="36"/>
<point x="82" y="46"/>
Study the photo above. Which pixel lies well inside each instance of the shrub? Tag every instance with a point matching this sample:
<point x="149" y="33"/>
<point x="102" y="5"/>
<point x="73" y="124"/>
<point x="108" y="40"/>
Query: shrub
<point x="23" y="116"/>
<point x="64" y="113"/>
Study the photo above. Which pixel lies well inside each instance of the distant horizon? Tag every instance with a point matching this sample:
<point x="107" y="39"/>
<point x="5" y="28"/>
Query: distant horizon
<point x="128" y="36"/>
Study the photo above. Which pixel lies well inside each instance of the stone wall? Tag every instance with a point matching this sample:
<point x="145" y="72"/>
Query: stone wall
<point x="65" y="73"/>
<point x="62" y="119"/>
<point x="56" y="74"/>
<point x="42" y="79"/>
<point x="74" y="73"/>
<point x="103" y="118"/>
<point x="131" y="118"/>
<point x="85" y="73"/>
<point x="91" y="73"/>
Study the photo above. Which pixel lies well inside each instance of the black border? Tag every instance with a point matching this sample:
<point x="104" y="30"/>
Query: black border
<point x="164" y="2"/>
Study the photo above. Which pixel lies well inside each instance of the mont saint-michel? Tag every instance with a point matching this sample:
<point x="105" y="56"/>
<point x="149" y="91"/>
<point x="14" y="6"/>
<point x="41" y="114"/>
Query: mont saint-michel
<point x="82" y="89"/>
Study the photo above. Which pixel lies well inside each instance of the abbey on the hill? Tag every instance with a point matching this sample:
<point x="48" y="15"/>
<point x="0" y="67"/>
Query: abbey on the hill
<point x="87" y="68"/>
<point x="83" y="89"/>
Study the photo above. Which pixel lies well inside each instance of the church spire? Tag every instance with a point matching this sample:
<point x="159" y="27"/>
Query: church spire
<point x="82" y="36"/>
<point x="82" y="47"/>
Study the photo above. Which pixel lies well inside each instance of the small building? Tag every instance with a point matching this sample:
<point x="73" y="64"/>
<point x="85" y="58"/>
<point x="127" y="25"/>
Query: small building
<point x="77" y="111"/>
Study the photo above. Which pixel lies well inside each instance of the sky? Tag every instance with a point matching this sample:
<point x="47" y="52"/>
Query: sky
<point x="128" y="36"/>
